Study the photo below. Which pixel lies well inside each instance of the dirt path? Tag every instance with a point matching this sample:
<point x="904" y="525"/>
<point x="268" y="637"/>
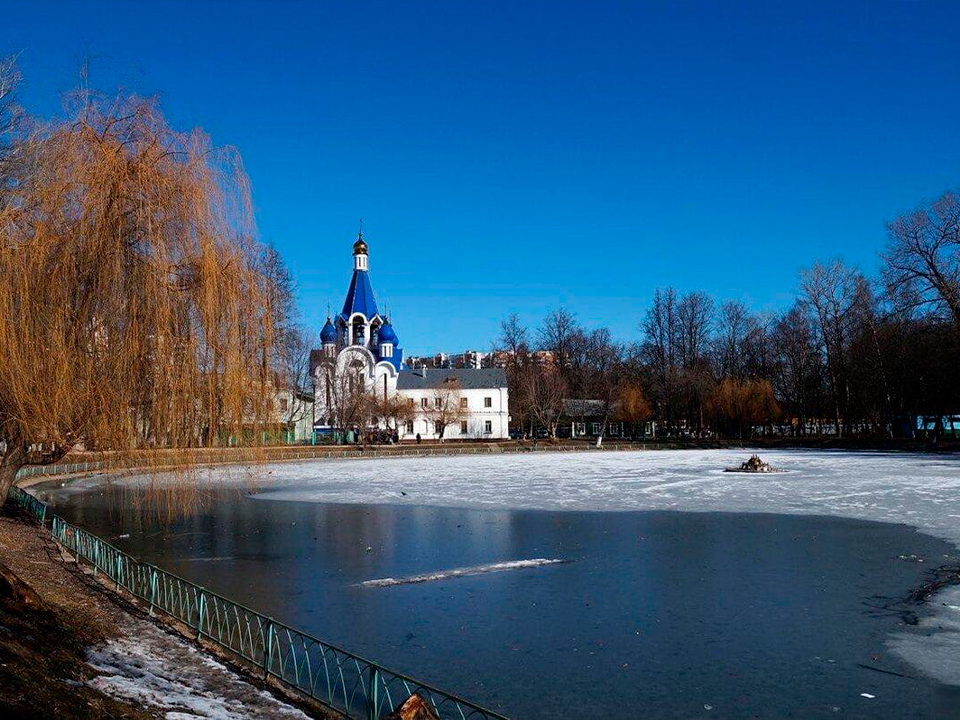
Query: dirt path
<point x="75" y="650"/>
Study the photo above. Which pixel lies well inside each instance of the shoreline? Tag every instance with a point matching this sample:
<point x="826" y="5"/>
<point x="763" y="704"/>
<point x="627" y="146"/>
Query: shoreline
<point x="111" y="654"/>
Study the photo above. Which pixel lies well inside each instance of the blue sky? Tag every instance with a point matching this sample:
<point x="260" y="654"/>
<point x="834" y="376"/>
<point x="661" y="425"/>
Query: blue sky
<point x="512" y="157"/>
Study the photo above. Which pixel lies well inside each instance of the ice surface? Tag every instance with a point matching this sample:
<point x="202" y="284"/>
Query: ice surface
<point x="463" y="572"/>
<point x="917" y="489"/>
<point x="921" y="490"/>
<point x="934" y="645"/>
<point x="153" y="669"/>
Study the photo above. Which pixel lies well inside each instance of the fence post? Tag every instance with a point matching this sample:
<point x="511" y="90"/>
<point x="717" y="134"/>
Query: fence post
<point x="201" y="612"/>
<point x="153" y="589"/>
<point x="268" y="650"/>
<point x="373" y="694"/>
<point x="116" y="571"/>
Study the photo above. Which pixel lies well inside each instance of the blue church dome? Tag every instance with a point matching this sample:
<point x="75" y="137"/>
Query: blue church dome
<point x="329" y="333"/>
<point x="388" y="334"/>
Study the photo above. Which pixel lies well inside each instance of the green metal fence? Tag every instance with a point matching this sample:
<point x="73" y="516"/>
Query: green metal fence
<point x="340" y="680"/>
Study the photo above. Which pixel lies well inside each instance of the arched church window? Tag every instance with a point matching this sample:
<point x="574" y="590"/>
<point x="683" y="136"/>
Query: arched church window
<point x="358" y="330"/>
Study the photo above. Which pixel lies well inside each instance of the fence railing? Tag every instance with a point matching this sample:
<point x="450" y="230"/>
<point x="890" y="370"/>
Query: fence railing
<point x="340" y="680"/>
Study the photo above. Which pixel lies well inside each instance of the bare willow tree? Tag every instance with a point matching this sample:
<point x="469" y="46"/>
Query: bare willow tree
<point x="632" y="406"/>
<point x="738" y="406"/>
<point x="133" y="309"/>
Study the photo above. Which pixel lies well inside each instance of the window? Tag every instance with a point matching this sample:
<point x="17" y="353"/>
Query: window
<point x="596" y="428"/>
<point x="410" y="426"/>
<point x="438" y="403"/>
<point x="423" y="403"/>
<point x="411" y="402"/>
<point x="283" y="404"/>
<point x="488" y="426"/>
<point x="579" y="428"/>
<point x="463" y="427"/>
<point x="488" y="402"/>
<point x="463" y="403"/>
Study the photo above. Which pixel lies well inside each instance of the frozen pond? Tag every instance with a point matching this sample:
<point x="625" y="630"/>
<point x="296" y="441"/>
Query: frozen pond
<point x="445" y="568"/>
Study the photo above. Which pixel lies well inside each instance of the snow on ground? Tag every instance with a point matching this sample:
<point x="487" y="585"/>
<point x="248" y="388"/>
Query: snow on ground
<point x="154" y="669"/>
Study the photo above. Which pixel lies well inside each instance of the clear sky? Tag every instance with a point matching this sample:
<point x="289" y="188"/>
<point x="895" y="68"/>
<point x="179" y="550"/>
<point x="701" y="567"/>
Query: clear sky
<point x="515" y="156"/>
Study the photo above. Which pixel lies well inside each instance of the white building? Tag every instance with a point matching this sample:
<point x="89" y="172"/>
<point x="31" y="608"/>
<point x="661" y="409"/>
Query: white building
<point x="361" y="354"/>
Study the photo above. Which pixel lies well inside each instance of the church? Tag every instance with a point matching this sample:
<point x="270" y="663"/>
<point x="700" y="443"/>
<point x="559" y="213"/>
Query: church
<point x="360" y="364"/>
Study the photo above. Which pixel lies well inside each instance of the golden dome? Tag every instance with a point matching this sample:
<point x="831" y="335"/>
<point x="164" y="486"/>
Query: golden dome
<point x="360" y="246"/>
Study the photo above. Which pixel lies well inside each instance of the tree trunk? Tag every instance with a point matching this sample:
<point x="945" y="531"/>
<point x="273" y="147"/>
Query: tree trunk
<point x="11" y="463"/>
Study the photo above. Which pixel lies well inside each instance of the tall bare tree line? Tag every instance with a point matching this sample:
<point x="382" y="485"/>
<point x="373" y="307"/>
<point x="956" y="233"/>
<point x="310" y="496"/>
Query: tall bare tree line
<point x="851" y="355"/>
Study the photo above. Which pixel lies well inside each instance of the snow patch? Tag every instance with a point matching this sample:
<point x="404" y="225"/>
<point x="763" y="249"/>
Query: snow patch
<point x="462" y="572"/>
<point x="153" y="669"/>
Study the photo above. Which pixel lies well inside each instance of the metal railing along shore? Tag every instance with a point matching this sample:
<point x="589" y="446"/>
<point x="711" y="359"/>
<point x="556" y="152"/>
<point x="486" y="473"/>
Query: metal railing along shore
<point x="338" y="679"/>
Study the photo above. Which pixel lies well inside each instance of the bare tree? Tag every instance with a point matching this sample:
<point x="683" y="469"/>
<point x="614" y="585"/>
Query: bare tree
<point x="133" y="312"/>
<point x="736" y="327"/>
<point x="345" y="401"/>
<point x="514" y="346"/>
<point x="922" y="259"/>
<point x="293" y="374"/>
<point x="445" y="406"/>
<point x="11" y="116"/>
<point x="556" y="335"/>
<point x="797" y="362"/>
<point x="542" y="390"/>
<point x="391" y="410"/>
<point x="694" y="323"/>
<point x="830" y="291"/>
<point x="602" y="376"/>
<point x="660" y="329"/>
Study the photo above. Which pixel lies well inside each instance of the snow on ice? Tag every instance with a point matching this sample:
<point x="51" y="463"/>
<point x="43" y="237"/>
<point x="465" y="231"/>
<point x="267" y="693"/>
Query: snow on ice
<point x="917" y="489"/>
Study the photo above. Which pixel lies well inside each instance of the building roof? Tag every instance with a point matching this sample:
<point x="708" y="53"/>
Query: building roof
<point x="468" y="378"/>
<point x="359" y="297"/>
